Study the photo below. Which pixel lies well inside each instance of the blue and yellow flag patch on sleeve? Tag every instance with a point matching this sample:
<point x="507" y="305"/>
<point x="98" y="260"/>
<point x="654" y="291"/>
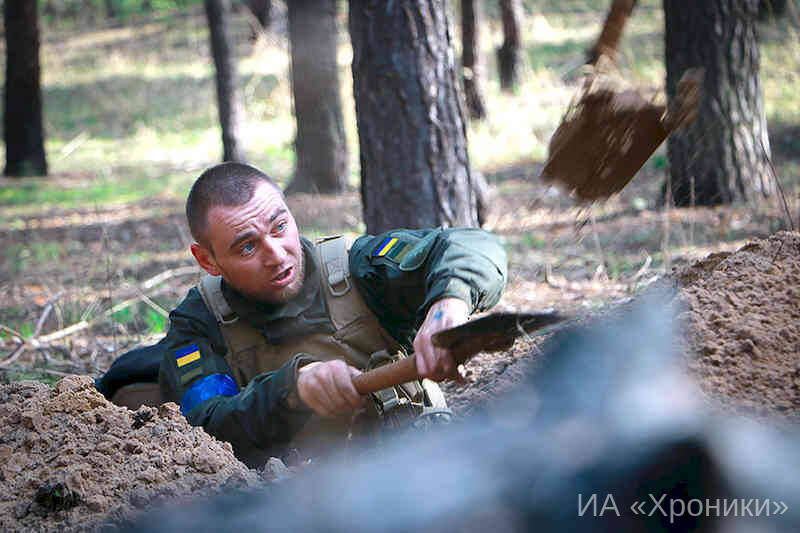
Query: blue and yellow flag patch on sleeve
<point x="392" y="248"/>
<point x="187" y="355"/>
<point x="385" y="246"/>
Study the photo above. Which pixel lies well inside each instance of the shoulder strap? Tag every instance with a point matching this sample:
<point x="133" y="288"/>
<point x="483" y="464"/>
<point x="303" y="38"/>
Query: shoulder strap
<point x="335" y="263"/>
<point x="210" y="288"/>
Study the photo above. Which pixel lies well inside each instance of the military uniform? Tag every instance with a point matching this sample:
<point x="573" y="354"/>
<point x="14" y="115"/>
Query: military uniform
<point x="398" y="274"/>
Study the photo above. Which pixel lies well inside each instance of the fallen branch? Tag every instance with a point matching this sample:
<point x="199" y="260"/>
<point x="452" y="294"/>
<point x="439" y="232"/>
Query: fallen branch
<point x="47" y="308"/>
<point x="14" y="355"/>
<point x="44" y="342"/>
<point x="73" y="145"/>
<point x="157" y="308"/>
<point x="83" y="324"/>
<point x="780" y="187"/>
<point x="33" y="344"/>
<point x="13" y="332"/>
<point x="643" y="269"/>
<point x="167" y="274"/>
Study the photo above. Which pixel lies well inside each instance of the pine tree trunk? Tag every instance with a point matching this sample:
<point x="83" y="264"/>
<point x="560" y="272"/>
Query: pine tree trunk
<point x="608" y="41"/>
<point x="471" y="20"/>
<point x="415" y="168"/>
<point x="320" y="144"/>
<point x="22" y="117"/>
<point x="111" y="9"/>
<point x="771" y="9"/>
<point x="509" y="54"/>
<point x="262" y="9"/>
<point x="230" y="106"/>
<point x="724" y="154"/>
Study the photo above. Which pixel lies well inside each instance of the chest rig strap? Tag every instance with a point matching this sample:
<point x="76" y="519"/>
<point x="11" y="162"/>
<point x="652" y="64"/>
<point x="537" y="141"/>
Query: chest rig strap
<point x="210" y="288"/>
<point x="358" y="334"/>
<point x="336" y="263"/>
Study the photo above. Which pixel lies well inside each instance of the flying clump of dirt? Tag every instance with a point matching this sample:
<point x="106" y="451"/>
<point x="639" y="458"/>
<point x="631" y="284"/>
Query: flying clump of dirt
<point x="70" y="459"/>
<point x="743" y="313"/>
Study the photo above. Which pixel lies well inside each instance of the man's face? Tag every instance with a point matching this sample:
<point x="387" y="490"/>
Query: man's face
<point x="256" y="247"/>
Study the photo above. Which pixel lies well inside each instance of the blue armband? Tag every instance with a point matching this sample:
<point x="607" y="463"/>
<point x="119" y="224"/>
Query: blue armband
<point x="207" y="388"/>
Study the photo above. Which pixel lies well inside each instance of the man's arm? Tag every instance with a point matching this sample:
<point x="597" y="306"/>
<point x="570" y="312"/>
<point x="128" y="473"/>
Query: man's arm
<point x="269" y="410"/>
<point x="433" y="362"/>
<point x="194" y="374"/>
<point x="421" y="281"/>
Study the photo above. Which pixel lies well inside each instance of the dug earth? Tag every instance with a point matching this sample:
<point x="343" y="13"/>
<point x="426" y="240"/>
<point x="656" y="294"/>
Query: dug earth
<point x="70" y="460"/>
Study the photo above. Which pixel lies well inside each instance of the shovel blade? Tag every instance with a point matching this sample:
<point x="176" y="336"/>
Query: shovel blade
<point x="494" y="332"/>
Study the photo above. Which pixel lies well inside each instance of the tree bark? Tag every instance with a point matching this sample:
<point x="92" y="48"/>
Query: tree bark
<point x="415" y="168"/>
<point x="608" y="41"/>
<point x="509" y="54"/>
<point x="472" y="67"/>
<point x="22" y="118"/>
<point x="111" y="9"/>
<point x="228" y="99"/>
<point x="723" y="156"/>
<point x="771" y="9"/>
<point x="320" y="144"/>
<point x="262" y="9"/>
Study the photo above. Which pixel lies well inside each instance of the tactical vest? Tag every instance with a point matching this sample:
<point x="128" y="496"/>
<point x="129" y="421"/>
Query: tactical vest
<point x="358" y="339"/>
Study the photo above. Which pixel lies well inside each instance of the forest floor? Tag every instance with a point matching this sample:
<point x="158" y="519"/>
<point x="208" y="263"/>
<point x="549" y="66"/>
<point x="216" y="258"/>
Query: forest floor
<point x="740" y="342"/>
<point x="82" y="281"/>
<point x="91" y="284"/>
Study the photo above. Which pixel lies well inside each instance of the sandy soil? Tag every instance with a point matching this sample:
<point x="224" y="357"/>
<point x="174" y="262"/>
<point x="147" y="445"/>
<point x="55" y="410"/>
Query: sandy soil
<point x="69" y="459"/>
<point x="743" y="311"/>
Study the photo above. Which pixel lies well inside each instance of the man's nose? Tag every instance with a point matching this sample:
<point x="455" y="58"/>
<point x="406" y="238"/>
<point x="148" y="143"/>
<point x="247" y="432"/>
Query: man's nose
<point x="274" y="254"/>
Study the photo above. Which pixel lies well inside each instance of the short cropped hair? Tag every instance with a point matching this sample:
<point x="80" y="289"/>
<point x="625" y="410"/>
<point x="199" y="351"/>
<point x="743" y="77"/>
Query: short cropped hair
<point x="227" y="184"/>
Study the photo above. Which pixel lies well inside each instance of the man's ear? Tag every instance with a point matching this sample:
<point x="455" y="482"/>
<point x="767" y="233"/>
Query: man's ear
<point x="205" y="259"/>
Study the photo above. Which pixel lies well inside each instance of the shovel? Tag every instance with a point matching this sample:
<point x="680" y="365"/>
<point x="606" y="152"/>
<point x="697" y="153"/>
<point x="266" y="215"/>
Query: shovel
<point x="491" y="333"/>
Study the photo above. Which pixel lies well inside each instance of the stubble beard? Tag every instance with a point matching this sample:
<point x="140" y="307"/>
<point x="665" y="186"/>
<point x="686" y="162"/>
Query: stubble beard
<point x="296" y="286"/>
<point x="291" y="291"/>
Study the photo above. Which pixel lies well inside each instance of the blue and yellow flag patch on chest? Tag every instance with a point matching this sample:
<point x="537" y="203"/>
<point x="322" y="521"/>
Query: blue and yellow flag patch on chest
<point x="392" y="248"/>
<point x="187" y="355"/>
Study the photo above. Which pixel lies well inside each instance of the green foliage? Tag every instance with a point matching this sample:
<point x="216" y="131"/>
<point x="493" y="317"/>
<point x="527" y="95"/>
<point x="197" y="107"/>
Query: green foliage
<point x="142" y="318"/>
<point x="99" y="192"/>
<point x="543" y="56"/>
<point x="156" y="322"/>
<point x="132" y="105"/>
<point x="10" y="375"/>
<point x="54" y="11"/>
<point x="619" y="266"/>
<point x="533" y="241"/>
<point x="123" y="316"/>
<point x="165" y="5"/>
<point x="24" y="328"/>
<point x="20" y="257"/>
<point x="659" y="161"/>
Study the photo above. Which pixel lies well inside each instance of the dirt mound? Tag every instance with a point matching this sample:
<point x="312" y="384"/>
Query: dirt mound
<point x="69" y="458"/>
<point x="744" y="325"/>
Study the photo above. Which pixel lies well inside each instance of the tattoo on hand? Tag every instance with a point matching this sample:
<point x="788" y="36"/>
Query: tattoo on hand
<point x="438" y="314"/>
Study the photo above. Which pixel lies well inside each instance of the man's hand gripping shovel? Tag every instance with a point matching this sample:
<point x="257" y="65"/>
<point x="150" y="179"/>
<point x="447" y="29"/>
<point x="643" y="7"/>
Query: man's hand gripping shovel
<point x="491" y="333"/>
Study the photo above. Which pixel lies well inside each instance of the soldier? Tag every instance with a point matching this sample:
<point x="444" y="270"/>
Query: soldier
<point x="263" y="351"/>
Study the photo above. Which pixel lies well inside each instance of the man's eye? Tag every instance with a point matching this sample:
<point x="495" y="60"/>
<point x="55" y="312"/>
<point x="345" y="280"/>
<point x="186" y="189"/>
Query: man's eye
<point x="248" y="248"/>
<point x="281" y="226"/>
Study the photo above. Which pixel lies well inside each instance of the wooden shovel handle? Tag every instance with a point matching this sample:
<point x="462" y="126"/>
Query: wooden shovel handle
<point x="386" y="376"/>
